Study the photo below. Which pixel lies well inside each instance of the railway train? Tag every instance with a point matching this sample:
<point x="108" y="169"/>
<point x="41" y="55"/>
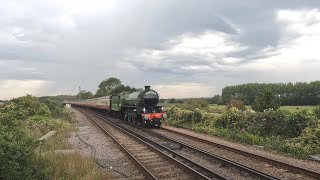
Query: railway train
<point x="140" y="107"/>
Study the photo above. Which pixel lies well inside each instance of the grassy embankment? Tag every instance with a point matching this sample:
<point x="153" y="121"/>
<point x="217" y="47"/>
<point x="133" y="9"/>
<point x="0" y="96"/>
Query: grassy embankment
<point x="22" y="122"/>
<point x="61" y="161"/>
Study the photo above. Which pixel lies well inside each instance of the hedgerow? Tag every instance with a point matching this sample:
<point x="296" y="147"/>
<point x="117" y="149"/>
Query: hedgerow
<point x="269" y="128"/>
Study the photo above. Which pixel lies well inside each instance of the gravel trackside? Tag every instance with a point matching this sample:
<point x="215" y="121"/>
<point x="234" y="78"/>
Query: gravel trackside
<point x="107" y="154"/>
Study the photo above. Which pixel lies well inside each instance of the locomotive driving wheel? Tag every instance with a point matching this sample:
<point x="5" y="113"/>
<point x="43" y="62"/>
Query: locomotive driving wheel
<point x="130" y="118"/>
<point x="125" y="117"/>
<point x="134" y="120"/>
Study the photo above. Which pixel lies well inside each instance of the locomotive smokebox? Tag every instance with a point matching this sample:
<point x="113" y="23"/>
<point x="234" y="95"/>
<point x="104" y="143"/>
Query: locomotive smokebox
<point x="146" y="88"/>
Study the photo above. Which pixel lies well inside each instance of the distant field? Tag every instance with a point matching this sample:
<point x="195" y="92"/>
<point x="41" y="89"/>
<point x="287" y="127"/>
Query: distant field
<point x="222" y="108"/>
<point x="297" y="108"/>
<point x="287" y="108"/>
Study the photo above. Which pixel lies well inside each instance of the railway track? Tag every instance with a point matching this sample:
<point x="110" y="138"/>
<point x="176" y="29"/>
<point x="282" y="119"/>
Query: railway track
<point x="155" y="161"/>
<point x="168" y="133"/>
<point x="197" y="154"/>
<point x="227" y="168"/>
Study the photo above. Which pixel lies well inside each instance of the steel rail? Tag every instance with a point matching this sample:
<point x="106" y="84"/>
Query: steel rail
<point x="307" y="172"/>
<point x="146" y="172"/>
<point x="220" y="158"/>
<point x="209" y="154"/>
<point x="185" y="162"/>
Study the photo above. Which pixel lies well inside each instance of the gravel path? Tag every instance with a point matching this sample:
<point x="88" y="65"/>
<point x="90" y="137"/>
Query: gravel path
<point x="107" y="153"/>
<point x="255" y="150"/>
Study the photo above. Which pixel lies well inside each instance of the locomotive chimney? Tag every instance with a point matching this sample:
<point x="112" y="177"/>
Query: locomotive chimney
<point x="146" y="88"/>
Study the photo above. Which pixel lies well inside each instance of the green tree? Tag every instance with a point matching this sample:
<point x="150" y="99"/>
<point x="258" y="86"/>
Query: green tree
<point x="237" y="104"/>
<point x="84" y="94"/>
<point x="107" y="86"/>
<point x="122" y="88"/>
<point x="299" y="93"/>
<point x="172" y="100"/>
<point x="266" y="100"/>
<point x="196" y="103"/>
<point x="215" y="99"/>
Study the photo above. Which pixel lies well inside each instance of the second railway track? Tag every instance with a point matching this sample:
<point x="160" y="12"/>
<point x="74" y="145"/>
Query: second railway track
<point x="205" y="163"/>
<point x="208" y="161"/>
<point x="286" y="170"/>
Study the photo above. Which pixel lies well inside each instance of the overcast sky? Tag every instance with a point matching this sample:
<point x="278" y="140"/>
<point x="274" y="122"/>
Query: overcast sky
<point x="182" y="48"/>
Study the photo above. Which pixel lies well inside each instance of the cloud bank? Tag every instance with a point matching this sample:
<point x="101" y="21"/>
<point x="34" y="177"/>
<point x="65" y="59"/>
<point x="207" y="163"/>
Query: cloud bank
<point x="181" y="48"/>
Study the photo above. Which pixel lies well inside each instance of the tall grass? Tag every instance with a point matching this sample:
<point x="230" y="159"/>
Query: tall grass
<point x="72" y="166"/>
<point x="66" y="164"/>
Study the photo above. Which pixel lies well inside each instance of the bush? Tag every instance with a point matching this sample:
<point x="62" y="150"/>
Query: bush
<point x="55" y="107"/>
<point x="22" y="121"/>
<point x="237" y="104"/>
<point x="229" y="119"/>
<point x="269" y="123"/>
<point x="307" y="143"/>
<point x="17" y="157"/>
<point x="196" y="103"/>
<point x="43" y="110"/>
<point x="178" y="116"/>
<point x="297" y="122"/>
<point x="265" y="101"/>
<point x="316" y="111"/>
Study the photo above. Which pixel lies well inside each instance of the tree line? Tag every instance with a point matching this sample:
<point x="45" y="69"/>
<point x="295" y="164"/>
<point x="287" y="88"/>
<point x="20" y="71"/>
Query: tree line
<point x="290" y="94"/>
<point x="108" y="86"/>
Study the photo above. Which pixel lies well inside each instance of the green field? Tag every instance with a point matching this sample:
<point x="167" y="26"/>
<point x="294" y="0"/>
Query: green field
<point x="297" y="108"/>
<point x="291" y="109"/>
<point x="222" y="108"/>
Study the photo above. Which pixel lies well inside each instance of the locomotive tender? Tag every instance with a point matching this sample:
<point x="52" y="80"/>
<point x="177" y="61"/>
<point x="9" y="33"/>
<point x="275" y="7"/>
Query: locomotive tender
<point x="140" y="107"/>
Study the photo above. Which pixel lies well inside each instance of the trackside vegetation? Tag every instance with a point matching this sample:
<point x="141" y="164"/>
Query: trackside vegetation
<point x="22" y="122"/>
<point x="296" y="134"/>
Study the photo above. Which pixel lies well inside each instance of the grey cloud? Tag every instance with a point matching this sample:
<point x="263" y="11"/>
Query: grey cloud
<point x="89" y="50"/>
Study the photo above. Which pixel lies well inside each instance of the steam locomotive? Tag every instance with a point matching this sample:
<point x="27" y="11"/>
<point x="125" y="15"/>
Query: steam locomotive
<point x="140" y="107"/>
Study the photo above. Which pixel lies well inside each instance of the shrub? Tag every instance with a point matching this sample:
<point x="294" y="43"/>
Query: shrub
<point x="316" y="111"/>
<point x="268" y="123"/>
<point x="266" y="100"/>
<point x="237" y="104"/>
<point x="17" y="157"/>
<point x="196" y="103"/>
<point x="179" y="116"/>
<point x="21" y="120"/>
<point x="55" y="107"/>
<point x="229" y="119"/>
<point x="307" y="143"/>
<point x="43" y="110"/>
<point x="297" y="122"/>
